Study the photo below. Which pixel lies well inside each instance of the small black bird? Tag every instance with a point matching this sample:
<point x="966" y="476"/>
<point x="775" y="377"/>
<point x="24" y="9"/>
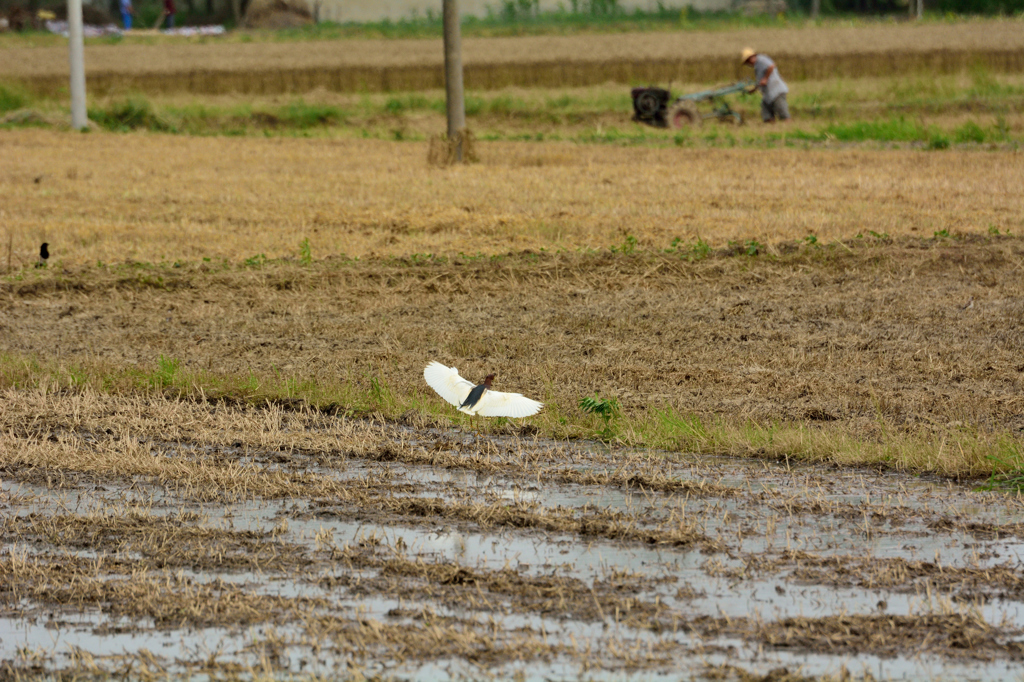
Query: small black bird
<point x="44" y="254"/>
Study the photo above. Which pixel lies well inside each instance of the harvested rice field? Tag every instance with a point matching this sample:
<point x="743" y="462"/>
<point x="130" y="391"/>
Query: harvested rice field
<point x="782" y="437"/>
<point x="213" y="67"/>
<point x="161" y="199"/>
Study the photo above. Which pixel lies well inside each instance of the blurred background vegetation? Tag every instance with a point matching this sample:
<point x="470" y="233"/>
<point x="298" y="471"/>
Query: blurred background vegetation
<point x="516" y="17"/>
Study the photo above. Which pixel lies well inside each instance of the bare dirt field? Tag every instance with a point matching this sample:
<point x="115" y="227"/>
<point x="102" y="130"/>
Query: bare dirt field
<point x="906" y="353"/>
<point x="218" y="455"/>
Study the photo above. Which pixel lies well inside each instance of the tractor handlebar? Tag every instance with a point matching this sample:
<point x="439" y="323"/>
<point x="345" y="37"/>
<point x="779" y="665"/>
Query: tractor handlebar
<point x="703" y="95"/>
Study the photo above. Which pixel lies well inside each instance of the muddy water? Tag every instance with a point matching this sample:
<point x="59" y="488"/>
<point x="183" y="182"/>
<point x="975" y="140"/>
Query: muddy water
<point x="776" y="546"/>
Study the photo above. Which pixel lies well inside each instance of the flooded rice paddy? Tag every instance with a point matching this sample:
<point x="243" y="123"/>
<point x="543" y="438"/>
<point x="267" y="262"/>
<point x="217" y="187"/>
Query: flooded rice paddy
<point x="368" y="549"/>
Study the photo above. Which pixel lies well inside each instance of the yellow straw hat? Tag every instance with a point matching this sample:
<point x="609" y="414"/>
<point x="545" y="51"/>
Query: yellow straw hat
<point x="747" y="53"/>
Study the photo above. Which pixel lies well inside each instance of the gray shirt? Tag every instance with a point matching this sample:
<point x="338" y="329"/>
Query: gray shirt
<point x="776" y="86"/>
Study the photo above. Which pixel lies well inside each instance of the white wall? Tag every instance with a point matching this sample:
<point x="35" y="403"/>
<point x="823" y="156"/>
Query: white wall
<point x="378" y="10"/>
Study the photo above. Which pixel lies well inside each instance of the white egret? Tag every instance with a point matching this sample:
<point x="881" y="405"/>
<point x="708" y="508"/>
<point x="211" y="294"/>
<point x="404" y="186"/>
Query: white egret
<point x="477" y="399"/>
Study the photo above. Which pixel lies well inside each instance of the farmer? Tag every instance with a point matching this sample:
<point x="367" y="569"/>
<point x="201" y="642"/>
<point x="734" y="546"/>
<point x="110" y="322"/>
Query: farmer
<point x="169" y="11"/>
<point x="126" y="13"/>
<point x="769" y="82"/>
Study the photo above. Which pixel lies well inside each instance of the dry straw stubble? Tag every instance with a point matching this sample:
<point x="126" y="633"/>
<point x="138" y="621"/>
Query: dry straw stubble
<point x="180" y="198"/>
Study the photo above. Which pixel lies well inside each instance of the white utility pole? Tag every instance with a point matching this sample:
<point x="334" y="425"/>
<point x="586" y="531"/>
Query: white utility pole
<point x="453" y="77"/>
<point x="76" y="53"/>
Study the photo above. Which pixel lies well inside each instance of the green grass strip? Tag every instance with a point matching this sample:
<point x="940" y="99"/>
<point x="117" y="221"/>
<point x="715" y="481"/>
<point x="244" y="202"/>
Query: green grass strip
<point x="960" y="453"/>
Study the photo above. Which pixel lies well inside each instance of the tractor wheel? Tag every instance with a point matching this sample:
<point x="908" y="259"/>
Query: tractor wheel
<point x="682" y="115"/>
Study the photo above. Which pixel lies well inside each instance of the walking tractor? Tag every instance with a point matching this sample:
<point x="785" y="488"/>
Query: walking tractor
<point x="652" y="106"/>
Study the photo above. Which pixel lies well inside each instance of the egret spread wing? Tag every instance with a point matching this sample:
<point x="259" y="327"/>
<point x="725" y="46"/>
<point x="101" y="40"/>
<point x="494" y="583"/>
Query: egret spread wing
<point x="447" y="382"/>
<point x="498" y="404"/>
